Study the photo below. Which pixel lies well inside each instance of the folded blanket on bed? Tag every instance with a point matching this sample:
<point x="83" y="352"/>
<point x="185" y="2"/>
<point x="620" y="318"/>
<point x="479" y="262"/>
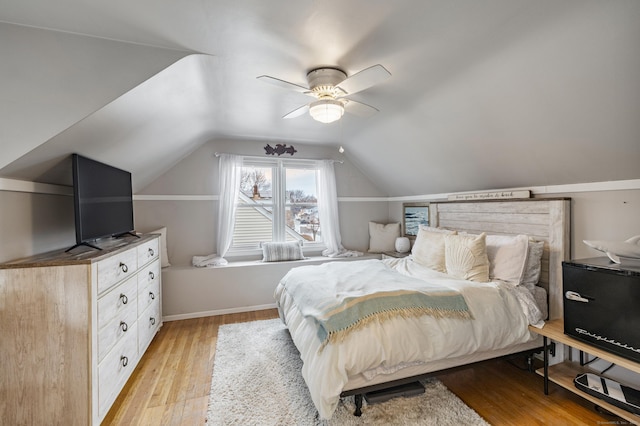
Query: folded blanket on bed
<point x="344" y="296"/>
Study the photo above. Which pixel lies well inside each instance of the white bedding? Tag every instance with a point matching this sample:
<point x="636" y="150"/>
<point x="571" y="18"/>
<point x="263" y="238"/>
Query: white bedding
<point x="501" y="315"/>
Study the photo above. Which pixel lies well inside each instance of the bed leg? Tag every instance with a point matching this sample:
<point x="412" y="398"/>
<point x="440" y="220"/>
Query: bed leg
<point x="530" y="368"/>
<point x="358" y="401"/>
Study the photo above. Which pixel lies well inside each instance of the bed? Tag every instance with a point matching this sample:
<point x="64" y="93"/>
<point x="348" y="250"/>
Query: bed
<point x="368" y="324"/>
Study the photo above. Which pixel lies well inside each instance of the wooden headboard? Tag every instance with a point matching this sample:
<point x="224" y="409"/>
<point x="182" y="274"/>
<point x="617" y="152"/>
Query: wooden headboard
<point x="544" y="219"/>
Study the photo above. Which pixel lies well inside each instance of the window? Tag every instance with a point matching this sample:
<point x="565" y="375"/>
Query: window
<point x="278" y="201"/>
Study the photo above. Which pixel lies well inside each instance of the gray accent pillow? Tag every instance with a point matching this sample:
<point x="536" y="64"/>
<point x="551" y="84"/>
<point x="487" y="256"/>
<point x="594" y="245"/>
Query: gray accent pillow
<point x="277" y="252"/>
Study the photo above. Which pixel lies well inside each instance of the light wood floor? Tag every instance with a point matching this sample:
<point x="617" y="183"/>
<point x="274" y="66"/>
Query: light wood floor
<point x="171" y="384"/>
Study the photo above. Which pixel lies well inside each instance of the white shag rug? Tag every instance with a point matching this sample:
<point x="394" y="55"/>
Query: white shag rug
<point x="257" y="380"/>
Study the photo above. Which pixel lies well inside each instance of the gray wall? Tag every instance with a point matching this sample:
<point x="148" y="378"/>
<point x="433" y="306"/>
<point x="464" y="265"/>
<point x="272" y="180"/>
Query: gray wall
<point x="191" y="223"/>
<point x="607" y="215"/>
<point x="34" y="223"/>
<point x="595" y="215"/>
<point x="184" y="200"/>
<point x="51" y="80"/>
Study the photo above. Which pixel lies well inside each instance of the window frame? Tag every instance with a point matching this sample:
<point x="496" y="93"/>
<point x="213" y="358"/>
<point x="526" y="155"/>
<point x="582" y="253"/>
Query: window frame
<point x="279" y="203"/>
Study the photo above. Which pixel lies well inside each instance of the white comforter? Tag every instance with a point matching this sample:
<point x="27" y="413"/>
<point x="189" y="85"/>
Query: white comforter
<point x="501" y="315"/>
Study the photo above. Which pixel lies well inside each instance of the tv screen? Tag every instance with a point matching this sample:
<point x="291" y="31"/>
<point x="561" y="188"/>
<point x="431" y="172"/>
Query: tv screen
<point x="103" y="200"/>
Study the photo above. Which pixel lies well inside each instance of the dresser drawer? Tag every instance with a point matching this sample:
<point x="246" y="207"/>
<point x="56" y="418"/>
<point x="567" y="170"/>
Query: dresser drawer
<point x="148" y="295"/>
<point x="116" y="330"/>
<point x="149" y="274"/>
<point x="147" y="251"/>
<point x="115" y="369"/>
<point x="116" y="268"/>
<point x="148" y="324"/>
<point x="118" y="301"/>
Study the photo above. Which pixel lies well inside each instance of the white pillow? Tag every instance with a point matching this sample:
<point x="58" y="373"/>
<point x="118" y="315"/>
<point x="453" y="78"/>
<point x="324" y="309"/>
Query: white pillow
<point x="164" y="255"/>
<point x="466" y="257"/>
<point x="428" y="249"/>
<point x="507" y="257"/>
<point x="533" y="265"/>
<point x="383" y="237"/>
<point x="277" y="252"/>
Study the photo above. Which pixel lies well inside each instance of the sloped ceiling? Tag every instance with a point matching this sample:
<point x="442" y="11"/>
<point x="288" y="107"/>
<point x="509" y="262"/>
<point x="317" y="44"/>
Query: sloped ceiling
<point x="484" y="94"/>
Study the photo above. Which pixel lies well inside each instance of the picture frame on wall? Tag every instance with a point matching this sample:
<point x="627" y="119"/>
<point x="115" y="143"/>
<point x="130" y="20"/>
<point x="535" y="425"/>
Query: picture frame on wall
<point x="414" y="215"/>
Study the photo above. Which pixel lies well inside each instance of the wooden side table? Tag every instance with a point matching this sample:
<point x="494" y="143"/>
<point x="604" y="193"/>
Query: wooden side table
<point x="565" y="372"/>
<point x="394" y="254"/>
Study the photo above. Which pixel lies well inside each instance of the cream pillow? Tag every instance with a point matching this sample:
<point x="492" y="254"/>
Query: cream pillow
<point x="466" y="257"/>
<point x="164" y="256"/>
<point x="383" y="237"/>
<point x="428" y="249"/>
<point x="507" y="257"/>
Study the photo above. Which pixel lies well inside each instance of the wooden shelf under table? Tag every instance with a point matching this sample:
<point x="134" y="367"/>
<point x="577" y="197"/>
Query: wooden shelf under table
<point x="563" y="373"/>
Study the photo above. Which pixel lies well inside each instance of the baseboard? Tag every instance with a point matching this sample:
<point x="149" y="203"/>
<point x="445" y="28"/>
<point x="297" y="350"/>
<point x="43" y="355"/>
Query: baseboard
<point x="218" y="312"/>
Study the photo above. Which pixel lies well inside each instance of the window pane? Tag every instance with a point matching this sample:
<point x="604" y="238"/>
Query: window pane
<point x="254" y="215"/>
<point x="302" y="204"/>
<point x="253" y="225"/>
<point x="256" y="183"/>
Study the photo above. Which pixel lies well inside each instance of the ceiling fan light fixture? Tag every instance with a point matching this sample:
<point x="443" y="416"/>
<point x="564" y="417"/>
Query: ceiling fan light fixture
<point x="326" y="110"/>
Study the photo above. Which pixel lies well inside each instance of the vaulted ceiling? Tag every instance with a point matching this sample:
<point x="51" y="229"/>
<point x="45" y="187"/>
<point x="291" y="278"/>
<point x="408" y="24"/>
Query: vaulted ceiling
<point x="484" y="94"/>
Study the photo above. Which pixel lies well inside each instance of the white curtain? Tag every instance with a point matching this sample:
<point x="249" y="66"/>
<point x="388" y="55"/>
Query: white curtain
<point x="230" y="171"/>
<point x="328" y="209"/>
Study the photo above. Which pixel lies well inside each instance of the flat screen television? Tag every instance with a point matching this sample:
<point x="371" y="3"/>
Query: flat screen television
<point x="103" y="201"/>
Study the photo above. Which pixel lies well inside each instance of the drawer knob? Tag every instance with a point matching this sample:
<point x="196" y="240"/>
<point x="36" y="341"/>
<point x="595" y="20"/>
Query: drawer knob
<point x="124" y="360"/>
<point x="151" y="252"/>
<point x="123" y="326"/>
<point x="124" y="298"/>
<point x="152" y="296"/>
<point x="152" y="275"/>
<point x="152" y="321"/>
<point x="124" y="267"/>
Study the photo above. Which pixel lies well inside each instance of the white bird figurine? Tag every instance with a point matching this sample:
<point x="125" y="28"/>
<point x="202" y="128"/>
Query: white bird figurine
<point x="617" y="250"/>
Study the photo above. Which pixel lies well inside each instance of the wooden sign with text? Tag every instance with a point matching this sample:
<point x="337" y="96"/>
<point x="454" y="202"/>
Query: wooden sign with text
<point x="493" y="195"/>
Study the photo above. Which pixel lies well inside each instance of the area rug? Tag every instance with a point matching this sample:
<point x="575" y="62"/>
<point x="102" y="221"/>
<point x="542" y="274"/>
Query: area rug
<point x="257" y="380"/>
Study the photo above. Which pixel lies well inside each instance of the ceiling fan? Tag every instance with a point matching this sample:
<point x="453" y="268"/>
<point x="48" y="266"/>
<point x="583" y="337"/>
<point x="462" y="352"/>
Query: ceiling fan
<point x="331" y="88"/>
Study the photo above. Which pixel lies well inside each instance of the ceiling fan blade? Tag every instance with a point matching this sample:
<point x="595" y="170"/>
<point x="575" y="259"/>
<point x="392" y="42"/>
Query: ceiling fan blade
<point x="283" y="84"/>
<point x="359" y="109"/>
<point x="364" y="79"/>
<point x="297" y="112"/>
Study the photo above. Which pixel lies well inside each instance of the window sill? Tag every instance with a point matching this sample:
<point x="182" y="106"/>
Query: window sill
<point x="255" y="255"/>
<point x="250" y="263"/>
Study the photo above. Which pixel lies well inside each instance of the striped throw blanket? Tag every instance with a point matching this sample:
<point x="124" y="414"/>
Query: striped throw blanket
<point x="344" y="296"/>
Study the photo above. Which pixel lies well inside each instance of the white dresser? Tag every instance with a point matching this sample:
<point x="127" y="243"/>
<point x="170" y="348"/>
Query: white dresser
<point x="73" y="326"/>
